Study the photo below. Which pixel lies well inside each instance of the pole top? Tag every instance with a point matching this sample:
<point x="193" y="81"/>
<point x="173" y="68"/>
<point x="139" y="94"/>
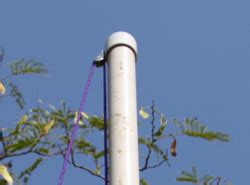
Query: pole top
<point x="121" y="38"/>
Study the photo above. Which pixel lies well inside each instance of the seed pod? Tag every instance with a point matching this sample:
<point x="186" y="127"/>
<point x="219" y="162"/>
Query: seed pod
<point x="173" y="148"/>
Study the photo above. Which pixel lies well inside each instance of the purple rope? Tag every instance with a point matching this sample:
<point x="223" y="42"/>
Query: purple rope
<point x="105" y="125"/>
<point x="76" y="125"/>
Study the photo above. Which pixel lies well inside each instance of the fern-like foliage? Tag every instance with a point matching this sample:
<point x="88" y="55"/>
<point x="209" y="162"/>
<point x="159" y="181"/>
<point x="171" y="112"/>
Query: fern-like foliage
<point x="156" y="148"/>
<point x="45" y="131"/>
<point x="27" y="66"/>
<point x="192" y="127"/>
<point x="17" y="95"/>
<point x="188" y="177"/>
<point x="192" y="177"/>
<point x="27" y="172"/>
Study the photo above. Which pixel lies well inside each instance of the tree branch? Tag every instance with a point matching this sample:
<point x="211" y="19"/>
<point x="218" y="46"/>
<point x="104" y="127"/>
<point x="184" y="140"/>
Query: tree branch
<point x="92" y="172"/>
<point x="154" y="166"/>
<point x="152" y="140"/>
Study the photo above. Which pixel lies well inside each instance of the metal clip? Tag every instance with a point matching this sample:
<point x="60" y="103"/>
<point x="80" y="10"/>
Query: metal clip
<point x="100" y="59"/>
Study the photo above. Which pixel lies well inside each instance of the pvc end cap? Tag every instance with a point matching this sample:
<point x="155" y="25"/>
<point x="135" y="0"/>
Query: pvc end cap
<point x="121" y="39"/>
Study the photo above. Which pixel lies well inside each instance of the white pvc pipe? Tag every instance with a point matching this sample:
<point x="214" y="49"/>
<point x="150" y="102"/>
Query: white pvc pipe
<point x="121" y="51"/>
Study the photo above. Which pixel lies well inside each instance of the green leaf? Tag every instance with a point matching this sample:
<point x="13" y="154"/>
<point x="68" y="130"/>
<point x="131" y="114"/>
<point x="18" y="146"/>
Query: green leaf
<point x="186" y="179"/>
<point x="143" y="181"/>
<point x="193" y="128"/>
<point x="43" y="150"/>
<point x="22" y="144"/>
<point x="21" y="122"/>
<point x="157" y="149"/>
<point x="211" y="136"/>
<point x="186" y="174"/>
<point x="85" y="147"/>
<point x="163" y="120"/>
<point x="97" y="171"/>
<point x="143" y="114"/>
<point x="206" y="178"/>
<point x="58" y="116"/>
<point x="193" y="178"/>
<point x="16" y="94"/>
<point x="96" y="122"/>
<point x="5" y="174"/>
<point x="99" y="155"/>
<point x="194" y="172"/>
<point x="82" y="143"/>
<point x="29" y="170"/>
<point x="143" y="141"/>
<point x="27" y="66"/>
<point x="3" y="182"/>
<point x="160" y="131"/>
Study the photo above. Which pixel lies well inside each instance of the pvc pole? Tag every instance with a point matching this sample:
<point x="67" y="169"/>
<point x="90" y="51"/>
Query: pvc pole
<point x="120" y="52"/>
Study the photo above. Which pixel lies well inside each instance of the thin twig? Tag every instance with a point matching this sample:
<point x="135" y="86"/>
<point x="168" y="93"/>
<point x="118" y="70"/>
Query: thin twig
<point x="153" y="140"/>
<point x="155" y="166"/>
<point x="47" y="155"/>
<point x="87" y="170"/>
<point x="2" y="140"/>
<point x="72" y="162"/>
<point x="15" y="155"/>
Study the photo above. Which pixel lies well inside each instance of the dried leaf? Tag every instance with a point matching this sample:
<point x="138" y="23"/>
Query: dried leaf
<point x="48" y="126"/>
<point x="76" y="117"/>
<point x="84" y="115"/>
<point x="6" y="175"/>
<point x="2" y="88"/>
<point x="143" y="114"/>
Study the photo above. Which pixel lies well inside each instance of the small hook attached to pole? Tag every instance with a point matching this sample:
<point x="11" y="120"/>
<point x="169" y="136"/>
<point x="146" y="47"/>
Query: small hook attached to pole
<point x="99" y="60"/>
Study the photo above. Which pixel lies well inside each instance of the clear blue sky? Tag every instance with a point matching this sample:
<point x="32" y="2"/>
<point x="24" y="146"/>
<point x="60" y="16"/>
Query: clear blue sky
<point x="194" y="60"/>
